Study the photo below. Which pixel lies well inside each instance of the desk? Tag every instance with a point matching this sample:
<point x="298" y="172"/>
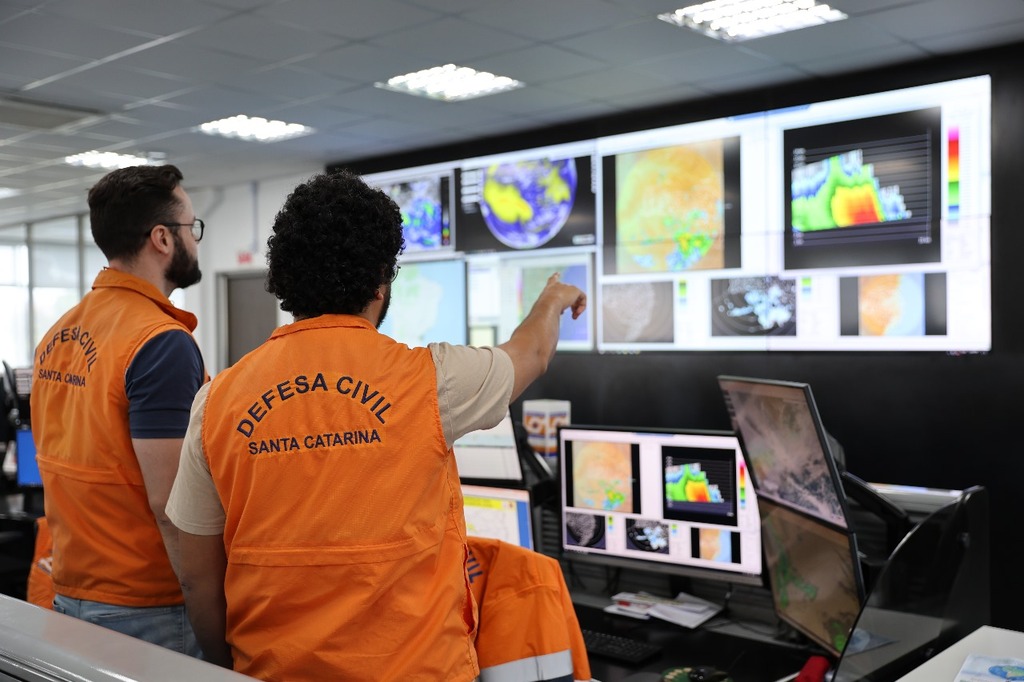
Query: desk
<point x="747" y="660"/>
<point x="986" y="640"/>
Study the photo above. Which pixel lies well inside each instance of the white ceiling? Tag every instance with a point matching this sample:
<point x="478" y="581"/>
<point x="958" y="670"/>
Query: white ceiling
<point x="152" y="71"/>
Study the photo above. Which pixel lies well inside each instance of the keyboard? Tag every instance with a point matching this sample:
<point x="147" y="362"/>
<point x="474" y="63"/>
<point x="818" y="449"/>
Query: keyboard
<point x="623" y="649"/>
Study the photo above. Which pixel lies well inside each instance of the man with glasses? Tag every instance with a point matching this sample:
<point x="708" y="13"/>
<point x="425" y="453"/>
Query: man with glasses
<point x="114" y="382"/>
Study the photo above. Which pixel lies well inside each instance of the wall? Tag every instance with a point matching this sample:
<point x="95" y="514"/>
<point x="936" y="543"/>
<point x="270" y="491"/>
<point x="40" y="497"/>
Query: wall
<point x="929" y="419"/>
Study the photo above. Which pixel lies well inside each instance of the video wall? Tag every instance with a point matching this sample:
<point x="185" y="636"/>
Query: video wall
<point x="854" y="224"/>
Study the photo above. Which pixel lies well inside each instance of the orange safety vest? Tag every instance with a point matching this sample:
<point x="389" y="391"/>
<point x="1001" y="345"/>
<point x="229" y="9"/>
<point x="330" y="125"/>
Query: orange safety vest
<point x="528" y="626"/>
<point x="344" y="530"/>
<point x="107" y="546"/>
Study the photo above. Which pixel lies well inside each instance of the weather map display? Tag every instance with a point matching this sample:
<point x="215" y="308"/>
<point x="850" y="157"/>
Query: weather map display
<point x="893" y="304"/>
<point x="425" y="203"/>
<point x="543" y="199"/>
<point x="853" y="224"/>
<point x="785" y="444"/>
<point x="699" y="484"/>
<point x="428" y="303"/>
<point x="670" y="501"/>
<point x="504" y="287"/>
<point x="499" y="513"/>
<point x="814" y="574"/>
<point x="670" y="209"/>
<point x="769" y="230"/>
<point x="865" y="192"/>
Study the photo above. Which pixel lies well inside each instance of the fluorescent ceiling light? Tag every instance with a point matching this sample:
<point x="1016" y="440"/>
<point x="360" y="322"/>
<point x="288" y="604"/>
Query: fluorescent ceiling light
<point x="8" y="192"/>
<point x="108" y="160"/>
<point x="736" y="20"/>
<point x="255" y="129"/>
<point x="450" y="83"/>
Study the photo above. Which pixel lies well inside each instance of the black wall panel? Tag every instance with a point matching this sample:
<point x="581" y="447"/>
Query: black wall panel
<point x="931" y="419"/>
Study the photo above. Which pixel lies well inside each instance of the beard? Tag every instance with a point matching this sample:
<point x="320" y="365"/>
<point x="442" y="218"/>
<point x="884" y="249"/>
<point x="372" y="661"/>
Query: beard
<point x="384" y="307"/>
<point x="183" y="270"/>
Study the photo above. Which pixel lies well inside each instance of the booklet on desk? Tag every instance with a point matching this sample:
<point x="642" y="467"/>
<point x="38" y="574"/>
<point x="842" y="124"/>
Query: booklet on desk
<point x="983" y="668"/>
<point x="686" y="609"/>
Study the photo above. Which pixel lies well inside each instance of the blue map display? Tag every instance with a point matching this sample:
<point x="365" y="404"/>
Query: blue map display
<point x="428" y="304"/>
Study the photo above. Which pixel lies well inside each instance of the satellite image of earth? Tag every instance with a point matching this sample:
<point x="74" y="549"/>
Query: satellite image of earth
<point x="892" y="305"/>
<point x="526" y="203"/>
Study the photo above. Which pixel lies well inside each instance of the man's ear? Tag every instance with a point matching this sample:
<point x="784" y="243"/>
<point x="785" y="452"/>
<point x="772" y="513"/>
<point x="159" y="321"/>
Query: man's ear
<point x="161" y="239"/>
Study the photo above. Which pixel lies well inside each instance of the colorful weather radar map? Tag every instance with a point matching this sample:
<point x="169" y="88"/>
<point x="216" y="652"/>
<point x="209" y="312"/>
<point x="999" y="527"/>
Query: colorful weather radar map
<point x="425" y="225"/>
<point x="670" y="208"/>
<point x="526" y="203"/>
<point x="841" y="191"/>
<point x="602" y="475"/>
<point x="688" y="483"/>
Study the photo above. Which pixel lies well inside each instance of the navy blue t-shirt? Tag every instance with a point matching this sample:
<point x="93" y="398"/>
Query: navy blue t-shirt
<point x="161" y="383"/>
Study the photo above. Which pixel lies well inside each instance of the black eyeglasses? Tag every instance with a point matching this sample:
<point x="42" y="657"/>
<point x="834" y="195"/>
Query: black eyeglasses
<point x="394" y="275"/>
<point x="196" y="226"/>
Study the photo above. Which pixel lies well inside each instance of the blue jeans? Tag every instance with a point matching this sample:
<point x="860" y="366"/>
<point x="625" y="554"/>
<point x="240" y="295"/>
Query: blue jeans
<point x="167" y="626"/>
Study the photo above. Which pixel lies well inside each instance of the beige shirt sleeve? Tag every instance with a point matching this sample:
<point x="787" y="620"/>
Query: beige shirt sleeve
<point x="474" y="386"/>
<point x="193" y="505"/>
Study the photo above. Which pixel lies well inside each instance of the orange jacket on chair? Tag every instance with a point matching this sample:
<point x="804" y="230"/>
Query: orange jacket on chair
<point x="528" y="629"/>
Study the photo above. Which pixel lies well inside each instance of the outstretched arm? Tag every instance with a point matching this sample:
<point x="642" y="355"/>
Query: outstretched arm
<point x="532" y="344"/>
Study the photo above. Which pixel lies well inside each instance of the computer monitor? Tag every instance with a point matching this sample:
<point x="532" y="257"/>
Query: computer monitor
<point x="786" y="445"/>
<point x="500" y="513"/>
<point x="677" y="502"/>
<point x="490" y="454"/>
<point x="28" y="470"/>
<point x="811" y="557"/>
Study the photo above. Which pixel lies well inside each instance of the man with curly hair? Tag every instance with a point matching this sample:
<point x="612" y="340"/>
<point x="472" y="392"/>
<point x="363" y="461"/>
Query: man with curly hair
<point x="114" y="380"/>
<point x="318" y="498"/>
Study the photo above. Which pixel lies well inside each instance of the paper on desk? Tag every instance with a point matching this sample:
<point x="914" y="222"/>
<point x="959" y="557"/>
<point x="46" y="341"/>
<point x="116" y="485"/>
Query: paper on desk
<point x="985" y="668"/>
<point x="686" y="609"/>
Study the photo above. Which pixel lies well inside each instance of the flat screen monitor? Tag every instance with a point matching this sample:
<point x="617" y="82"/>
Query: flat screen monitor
<point x="489" y="454"/>
<point x="785" y="442"/>
<point x="428" y="303"/>
<point x="500" y="513"/>
<point x="28" y="469"/>
<point x="811" y="557"/>
<point x="678" y="502"/>
<point x="860" y="223"/>
<point x="814" y="575"/>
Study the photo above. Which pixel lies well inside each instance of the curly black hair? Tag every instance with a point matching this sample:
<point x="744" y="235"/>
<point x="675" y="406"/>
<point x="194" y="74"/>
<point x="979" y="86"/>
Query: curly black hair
<point x="334" y="242"/>
<point x="126" y="203"/>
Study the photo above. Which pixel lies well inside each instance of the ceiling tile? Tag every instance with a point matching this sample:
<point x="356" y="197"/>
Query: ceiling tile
<point x="150" y="18"/>
<point x="258" y="38"/>
<point x="543" y="20"/>
<point x="636" y="41"/>
<point x="434" y="41"/>
<point x="354" y="20"/>
<point x="364" y="63"/>
<point x="539" y="64"/>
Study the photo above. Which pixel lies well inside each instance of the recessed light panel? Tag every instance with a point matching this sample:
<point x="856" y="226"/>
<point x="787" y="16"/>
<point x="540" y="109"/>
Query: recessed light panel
<point x="450" y="83"/>
<point x="107" y="160"/>
<point x="254" y="128"/>
<point x="737" y="20"/>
